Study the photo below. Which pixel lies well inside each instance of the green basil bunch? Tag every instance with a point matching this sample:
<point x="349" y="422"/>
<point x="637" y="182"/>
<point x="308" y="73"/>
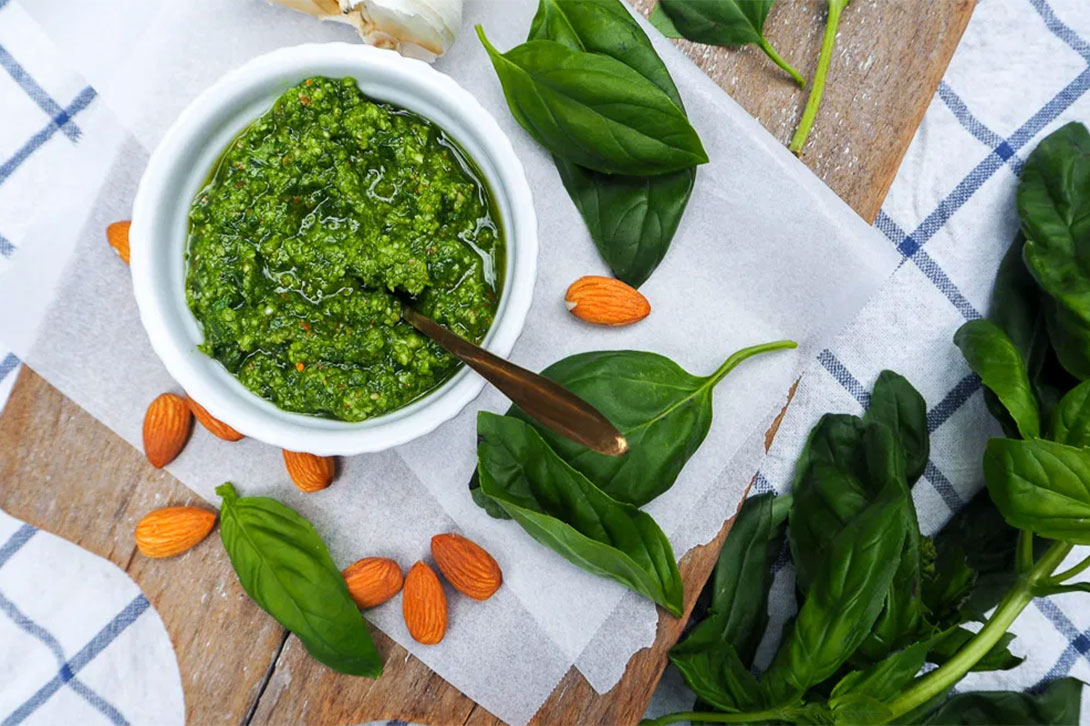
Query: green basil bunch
<point x="877" y="599"/>
<point x="584" y="505"/>
<point x="614" y="122"/>
<point x="285" y="567"/>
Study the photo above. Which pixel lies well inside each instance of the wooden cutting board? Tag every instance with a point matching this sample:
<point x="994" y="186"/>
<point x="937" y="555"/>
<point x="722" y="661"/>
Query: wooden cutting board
<point x="65" y="472"/>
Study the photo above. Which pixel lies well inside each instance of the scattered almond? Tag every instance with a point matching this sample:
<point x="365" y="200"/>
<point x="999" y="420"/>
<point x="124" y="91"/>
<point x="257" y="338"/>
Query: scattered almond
<point x="117" y="234"/>
<point x="606" y="301"/>
<point x="172" y="531"/>
<point x="373" y="580"/>
<point x="166" y="428"/>
<point x="210" y="422"/>
<point x="466" y="565"/>
<point x="424" y="605"/>
<point x="309" y="472"/>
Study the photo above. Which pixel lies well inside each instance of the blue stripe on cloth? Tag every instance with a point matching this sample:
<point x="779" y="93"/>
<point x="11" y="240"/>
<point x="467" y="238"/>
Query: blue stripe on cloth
<point x="7" y="249"/>
<point x="1060" y="30"/>
<point x="761" y="485"/>
<point x="971" y="123"/>
<point x="3" y="3"/>
<point x="954" y="400"/>
<point x="943" y="487"/>
<point x="1077" y="643"/>
<point x="32" y="628"/>
<point x="15" y="542"/>
<point x="946" y="286"/>
<point x="37" y="93"/>
<point x="844" y="377"/>
<point x="81" y="102"/>
<point x="69" y="669"/>
<point x="7" y="365"/>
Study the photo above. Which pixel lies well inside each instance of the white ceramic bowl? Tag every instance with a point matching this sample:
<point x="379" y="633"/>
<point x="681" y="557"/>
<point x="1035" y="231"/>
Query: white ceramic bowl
<point x="181" y="163"/>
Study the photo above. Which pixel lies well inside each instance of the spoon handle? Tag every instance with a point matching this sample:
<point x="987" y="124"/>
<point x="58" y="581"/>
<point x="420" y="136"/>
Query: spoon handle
<point x="553" y="405"/>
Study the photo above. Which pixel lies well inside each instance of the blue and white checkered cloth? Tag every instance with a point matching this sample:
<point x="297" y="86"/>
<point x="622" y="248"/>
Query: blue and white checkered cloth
<point x="1022" y="69"/>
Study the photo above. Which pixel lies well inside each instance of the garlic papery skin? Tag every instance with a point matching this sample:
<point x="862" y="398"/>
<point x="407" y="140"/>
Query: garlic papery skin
<point x="422" y="29"/>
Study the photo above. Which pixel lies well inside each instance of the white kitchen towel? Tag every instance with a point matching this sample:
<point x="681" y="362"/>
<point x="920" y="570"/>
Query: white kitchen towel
<point x="755" y="275"/>
<point x="79" y="643"/>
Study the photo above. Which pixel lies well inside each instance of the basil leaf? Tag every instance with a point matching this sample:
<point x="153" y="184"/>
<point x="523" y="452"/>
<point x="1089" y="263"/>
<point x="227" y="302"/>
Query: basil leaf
<point x="594" y="110"/>
<point x="1071" y="417"/>
<point x="849" y="590"/>
<point x="663" y="411"/>
<point x="994" y="357"/>
<point x="886" y="678"/>
<point x="631" y="219"/>
<point x="285" y="567"/>
<point x="1059" y="703"/>
<point x="725" y="22"/>
<point x="561" y="509"/>
<point x="999" y="658"/>
<point x="856" y="708"/>
<point x="662" y="21"/>
<point x="1041" y="486"/>
<point x="895" y="403"/>
<point x="1054" y="208"/>
<point x="713" y="657"/>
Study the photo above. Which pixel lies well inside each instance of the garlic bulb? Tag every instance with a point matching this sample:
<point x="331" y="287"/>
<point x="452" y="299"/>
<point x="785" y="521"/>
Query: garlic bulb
<point x="416" y="28"/>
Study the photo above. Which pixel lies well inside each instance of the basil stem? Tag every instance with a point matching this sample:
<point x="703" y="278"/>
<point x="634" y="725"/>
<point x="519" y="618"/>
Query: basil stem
<point x="817" y="88"/>
<point x="944" y="677"/>
<point x="764" y="45"/>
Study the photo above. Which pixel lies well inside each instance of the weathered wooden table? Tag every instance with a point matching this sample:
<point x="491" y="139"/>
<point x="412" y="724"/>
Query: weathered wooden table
<point x="65" y="472"/>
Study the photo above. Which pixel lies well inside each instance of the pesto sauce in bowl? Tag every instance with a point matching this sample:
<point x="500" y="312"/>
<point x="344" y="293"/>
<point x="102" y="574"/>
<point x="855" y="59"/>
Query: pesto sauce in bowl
<point x="312" y="218"/>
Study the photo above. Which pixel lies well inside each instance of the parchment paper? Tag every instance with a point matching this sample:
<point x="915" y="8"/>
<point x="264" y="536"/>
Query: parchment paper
<point x="765" y="251"/>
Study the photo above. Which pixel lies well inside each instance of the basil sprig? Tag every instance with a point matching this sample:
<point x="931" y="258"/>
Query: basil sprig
<point x="285" y="567"/>
<point x="632" y="219"/>
<point x="561" y="509"/>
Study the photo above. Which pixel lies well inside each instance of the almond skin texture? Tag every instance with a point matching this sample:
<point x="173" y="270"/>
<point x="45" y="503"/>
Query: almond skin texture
<point x="210" y="422"/>
<point x="172" y="531"/>
<point x="166" y="429"/>
<point x="466" y="565"/>
<point x="373" y="580"/>
<point x="117" y="234"/>
<point x="606" y="301"/>
<point x="424" y="605"/>
<point x="309" y="472"/>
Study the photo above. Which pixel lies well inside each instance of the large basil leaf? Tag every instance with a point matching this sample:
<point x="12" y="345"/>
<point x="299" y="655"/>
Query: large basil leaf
<point x="842" y="468"/>
<point x="594" y="110"/>
<point x="663" y="411"/>
<point x="285" y="567"/>
<point x="715" y="657"/>
<point x="1041" y="486"/>
<point x="662" y="21"/>
<point x="631" y="219"/>
<point x="723" y="22"/>
<point x="994" y="357"/>
<point x="1059" y="703"/>
<point x="847" y="595"/>
<point x="885" y="679"/>
<point x="1054" y="207"/>
<point x="895" y="403"/>
<point x="1071" y="417"/>
<point x="1016" y="307"/>
<point x="561" y="509"/>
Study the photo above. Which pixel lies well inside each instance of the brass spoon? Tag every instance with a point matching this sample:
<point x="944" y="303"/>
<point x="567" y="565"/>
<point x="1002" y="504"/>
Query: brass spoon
<point x="551" y="404"/>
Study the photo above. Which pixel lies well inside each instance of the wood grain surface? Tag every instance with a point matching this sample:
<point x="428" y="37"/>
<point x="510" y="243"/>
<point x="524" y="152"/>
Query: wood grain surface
<point x="65" y="472"/>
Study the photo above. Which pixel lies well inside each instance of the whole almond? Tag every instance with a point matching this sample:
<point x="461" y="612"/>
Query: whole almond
<point x="373" y="580"/>
<point x="172" y="531"/>
<point x="466" y="565"/>
<point x="117" y="234"/>
<point x="309" y="472"/>
<point x="167" y="424"/>
<point x="210" y="422"/>
<point x="424" y="605"/>
<point x="606" y="301"/>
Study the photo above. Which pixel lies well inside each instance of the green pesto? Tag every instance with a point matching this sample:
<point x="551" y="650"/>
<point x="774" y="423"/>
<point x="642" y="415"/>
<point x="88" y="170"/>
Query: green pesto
<point x="314" y="217"/>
